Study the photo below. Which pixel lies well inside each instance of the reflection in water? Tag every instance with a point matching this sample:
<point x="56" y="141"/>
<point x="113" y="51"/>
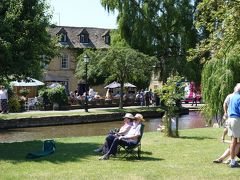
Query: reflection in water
<point x="193" y="120"/>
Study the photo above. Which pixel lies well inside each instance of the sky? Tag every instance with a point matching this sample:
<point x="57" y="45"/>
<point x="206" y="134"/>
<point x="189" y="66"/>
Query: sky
<point x="82" y="13"/>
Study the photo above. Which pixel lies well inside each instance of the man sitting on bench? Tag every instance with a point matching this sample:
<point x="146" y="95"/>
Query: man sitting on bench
<point x="130" y="139"/>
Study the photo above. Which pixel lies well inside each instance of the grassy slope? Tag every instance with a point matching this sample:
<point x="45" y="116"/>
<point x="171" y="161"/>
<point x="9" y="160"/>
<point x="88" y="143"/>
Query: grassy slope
<point x="187" y="157"/>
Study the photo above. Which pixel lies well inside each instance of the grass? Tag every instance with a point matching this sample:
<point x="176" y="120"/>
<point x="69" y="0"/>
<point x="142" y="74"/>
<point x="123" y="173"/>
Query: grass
<point x="79" y="112"/>
<point x="187" y="157"/>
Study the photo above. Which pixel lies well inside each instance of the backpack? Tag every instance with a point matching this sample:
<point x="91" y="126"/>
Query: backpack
<point x="48" y="148"/>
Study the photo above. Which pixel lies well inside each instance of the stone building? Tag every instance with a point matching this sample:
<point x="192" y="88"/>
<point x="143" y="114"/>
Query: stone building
<point x="72" y="41"/>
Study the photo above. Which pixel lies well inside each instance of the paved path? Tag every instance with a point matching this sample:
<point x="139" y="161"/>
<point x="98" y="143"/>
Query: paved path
<point x="96" y="109"/>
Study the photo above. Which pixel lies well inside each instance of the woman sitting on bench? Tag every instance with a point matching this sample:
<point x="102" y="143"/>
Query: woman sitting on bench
<point x="130" y="139"/>
<point x="128" y="118"/>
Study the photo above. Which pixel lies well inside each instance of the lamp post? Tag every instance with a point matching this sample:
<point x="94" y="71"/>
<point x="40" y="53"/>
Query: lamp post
<point x="86" y="60"/>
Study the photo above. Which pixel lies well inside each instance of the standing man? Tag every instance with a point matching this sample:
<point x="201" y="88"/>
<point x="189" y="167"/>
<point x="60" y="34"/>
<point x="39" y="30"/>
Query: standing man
<point x="4" y="99"/>
<point x="234" y="123"/>
<point x="225" y="116"/>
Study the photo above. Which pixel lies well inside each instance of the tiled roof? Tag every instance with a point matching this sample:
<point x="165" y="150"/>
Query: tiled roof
<point x="96" y="36"/>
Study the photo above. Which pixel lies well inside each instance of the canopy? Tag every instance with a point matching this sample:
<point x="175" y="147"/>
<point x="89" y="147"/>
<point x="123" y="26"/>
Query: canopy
<point x="129" y="85"/>
<point x="113" y="85"/>
<point x="28" y="82"/>
<point x="54" y="85"/>
<point x="117" y="85"/>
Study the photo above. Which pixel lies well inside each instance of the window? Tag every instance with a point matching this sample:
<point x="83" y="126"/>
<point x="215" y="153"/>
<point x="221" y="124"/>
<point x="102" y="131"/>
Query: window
<point x="84" y="38"/>
<point x="64" y="61"/>
<point x="107" y="39"/>
<point x="63" y="38"/>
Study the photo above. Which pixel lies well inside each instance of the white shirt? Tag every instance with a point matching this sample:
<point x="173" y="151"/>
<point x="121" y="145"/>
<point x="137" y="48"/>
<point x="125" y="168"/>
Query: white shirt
<point x="3" y="94"/>
<point x="124" y="129"/>
<point x="134" y="131"/>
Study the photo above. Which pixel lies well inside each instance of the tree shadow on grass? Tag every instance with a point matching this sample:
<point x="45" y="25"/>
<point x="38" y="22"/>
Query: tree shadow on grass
<point x="196" y="137"/>
<point x="65" y="152"/>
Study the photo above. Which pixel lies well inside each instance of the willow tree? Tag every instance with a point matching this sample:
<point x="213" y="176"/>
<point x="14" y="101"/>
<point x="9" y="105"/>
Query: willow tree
<point x="163" y="28"/>
<point x="221" y="70"/>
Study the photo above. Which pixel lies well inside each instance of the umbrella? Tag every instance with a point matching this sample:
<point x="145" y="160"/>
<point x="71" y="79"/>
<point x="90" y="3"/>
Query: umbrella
<point x="117" y="85"/>
<point x="113" y="85"/>
<point x="129" y="85"/>
<point x="54" y="85"/>
<point x="28" y="82"/>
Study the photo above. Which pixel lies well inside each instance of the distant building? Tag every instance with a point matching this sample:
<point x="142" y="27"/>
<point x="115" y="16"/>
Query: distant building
<point x="72" y="40"/>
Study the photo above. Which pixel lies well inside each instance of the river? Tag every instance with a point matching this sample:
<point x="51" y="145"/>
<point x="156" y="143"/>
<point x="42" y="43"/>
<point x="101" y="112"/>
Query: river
<point x="193" y="120"/>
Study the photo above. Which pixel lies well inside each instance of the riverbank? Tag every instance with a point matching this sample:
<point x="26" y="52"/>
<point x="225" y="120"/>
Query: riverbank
<point x="188" y="157"/>
<point x="52" y="118"/>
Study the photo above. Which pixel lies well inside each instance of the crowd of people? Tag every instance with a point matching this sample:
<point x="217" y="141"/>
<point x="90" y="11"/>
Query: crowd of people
<point x="143" y="98"/>
<point x="231" y="107"/>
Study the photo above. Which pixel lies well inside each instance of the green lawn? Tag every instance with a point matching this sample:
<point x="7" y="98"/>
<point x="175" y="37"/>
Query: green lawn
<point x="80" y="112"/>
<point x="187" y="157"/>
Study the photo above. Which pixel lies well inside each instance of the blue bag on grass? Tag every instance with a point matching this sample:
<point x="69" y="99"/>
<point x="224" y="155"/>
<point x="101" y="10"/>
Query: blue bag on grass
<point x="49" y="147"/>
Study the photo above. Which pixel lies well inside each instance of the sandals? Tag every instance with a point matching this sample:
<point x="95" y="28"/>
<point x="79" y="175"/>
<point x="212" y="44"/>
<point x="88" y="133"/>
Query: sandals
<point x="217" y="161"/>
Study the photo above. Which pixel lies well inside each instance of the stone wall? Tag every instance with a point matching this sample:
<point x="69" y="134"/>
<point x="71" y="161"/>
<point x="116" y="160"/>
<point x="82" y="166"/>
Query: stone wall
<point x="67" y="120"/>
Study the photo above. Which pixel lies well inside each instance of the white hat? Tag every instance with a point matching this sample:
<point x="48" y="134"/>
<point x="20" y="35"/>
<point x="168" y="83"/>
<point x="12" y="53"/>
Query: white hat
<point x="129" y="116"/>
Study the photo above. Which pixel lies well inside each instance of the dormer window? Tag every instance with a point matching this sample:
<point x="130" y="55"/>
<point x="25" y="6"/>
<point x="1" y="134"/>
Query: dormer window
<point x="62" y="35"/>
<point x="107" y="39"/>
<point x="63" y="38"/>
<point x="84" y="38"/>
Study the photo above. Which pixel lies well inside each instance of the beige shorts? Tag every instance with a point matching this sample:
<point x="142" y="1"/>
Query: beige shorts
<point x="234" y="127"/>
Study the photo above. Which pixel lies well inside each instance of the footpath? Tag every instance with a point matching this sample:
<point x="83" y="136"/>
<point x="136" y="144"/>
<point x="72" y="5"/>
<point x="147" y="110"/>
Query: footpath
<point x="77" y="116"/>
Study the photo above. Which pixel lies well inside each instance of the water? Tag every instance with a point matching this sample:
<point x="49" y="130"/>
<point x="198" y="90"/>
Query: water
<point x="193" y="120"/>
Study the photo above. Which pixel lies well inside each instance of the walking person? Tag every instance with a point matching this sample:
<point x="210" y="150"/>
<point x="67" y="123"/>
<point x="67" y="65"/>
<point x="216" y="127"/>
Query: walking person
<point x="4" y="99"/>
<point x="234" y="123"/>
<point x="194" y="98"/>
<point x="141" y="98"/>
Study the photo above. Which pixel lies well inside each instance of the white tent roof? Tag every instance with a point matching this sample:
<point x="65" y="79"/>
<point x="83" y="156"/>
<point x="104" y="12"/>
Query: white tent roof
<point x="129" y="85"/>
<point x="117" y="85"/>
<point x="29" y="82"/>
<point x="113" y="85"/>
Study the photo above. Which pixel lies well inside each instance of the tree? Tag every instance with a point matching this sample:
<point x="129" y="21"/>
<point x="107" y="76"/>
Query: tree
<point x="24" y="39"/>
<point x="171" y="92"/>
<point x="119" y="64"/>
<point x="221" y="70"/>
<point x="163" y="28"/>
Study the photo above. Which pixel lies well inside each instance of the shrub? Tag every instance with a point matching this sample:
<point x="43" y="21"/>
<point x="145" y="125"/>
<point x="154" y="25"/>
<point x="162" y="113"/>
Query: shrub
<point x="54" y="95"/>
<point x="58" y="95"/>
<point x="14" y="104"/>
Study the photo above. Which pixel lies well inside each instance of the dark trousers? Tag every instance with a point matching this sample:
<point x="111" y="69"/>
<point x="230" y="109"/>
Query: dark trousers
<point x="194" y="101"/>
<point x="4" y="105"/>
<point x="109" y="140"/>
<point x="122" y="142"/>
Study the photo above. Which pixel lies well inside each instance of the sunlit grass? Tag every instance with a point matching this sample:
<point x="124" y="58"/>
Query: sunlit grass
<point x="80" y="112"/>
<point x="187" y="157"/>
